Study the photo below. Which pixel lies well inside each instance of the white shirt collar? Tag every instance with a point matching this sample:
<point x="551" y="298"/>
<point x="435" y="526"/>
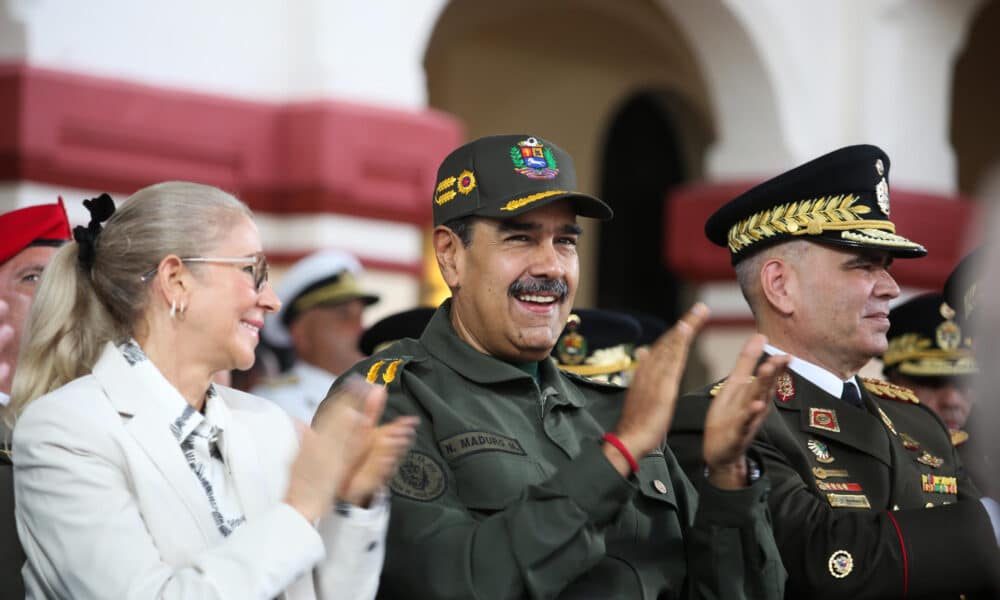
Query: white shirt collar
<point x="815" y="374"/>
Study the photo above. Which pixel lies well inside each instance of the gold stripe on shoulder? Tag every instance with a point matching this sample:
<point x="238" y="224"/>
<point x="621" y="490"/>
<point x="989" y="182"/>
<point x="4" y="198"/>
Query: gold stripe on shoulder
<point x="373" y="371"/>
<point x="390" y="371"/>
<point x="959" y="437"/>
<point x="717" y="388"/>
<point x="890" y="391"/>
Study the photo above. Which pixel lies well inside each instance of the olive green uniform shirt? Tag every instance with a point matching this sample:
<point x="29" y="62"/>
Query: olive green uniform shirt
<point x="507" y="494"/>
<point x="850" y="493"/>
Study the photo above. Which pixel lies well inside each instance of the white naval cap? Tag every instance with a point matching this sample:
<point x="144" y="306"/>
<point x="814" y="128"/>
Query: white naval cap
<point x="325" y="278"/>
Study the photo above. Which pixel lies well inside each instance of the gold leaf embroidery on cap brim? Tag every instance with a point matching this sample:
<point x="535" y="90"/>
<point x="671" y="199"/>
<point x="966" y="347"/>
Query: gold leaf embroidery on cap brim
<point x="811" y="217"/>
<point x="516" y="204"/>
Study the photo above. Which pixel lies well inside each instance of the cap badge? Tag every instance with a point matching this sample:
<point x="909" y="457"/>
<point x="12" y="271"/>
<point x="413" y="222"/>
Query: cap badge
<point x="784" y="387"/>
<point x="948" y="334"/>
<point x="841" y="564"/>
<point x="820" y="450"/>
<point x="879" y="167"/>
<point x="882" y="195"/>
<point x="572" y="347"/>
<point x="533" y="159"/>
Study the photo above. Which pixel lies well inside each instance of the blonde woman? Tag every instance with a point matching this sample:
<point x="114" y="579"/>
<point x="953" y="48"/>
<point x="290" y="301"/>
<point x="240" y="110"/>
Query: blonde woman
<point x="135" y="476"/>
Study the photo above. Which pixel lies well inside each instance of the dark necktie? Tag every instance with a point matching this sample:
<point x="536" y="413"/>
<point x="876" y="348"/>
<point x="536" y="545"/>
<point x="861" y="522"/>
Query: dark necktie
<point x="851" y="396"/>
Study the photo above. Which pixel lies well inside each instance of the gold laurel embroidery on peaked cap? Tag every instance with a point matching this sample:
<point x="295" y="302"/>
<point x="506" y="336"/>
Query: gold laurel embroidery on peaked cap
<point x="879" y="237"/>
<point x="518" y="203"/>
<point x="804" y="217"/>
<point x="446" y="183"/>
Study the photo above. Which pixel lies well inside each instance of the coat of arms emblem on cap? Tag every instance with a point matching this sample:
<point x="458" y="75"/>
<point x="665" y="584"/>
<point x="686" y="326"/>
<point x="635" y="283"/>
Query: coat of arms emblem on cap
<point x="882" y="188"/>
<point x="534" y="159"/>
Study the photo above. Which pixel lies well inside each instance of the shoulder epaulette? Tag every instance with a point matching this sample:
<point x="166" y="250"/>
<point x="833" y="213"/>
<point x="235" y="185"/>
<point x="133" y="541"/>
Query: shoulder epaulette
<point x="890" y="391"/>
<point x="385" y="370"/>
<point x="616" y="384"/>
<point x="959" y="437"/>
<point x="717" y="388"/>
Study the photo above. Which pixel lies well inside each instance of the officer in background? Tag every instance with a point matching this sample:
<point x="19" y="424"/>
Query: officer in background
<point x="528" y="481"/>
<point x="930" y="353"/>
<point x="320" y="320"/>
<point x="28" y="239"/>
<point x="869" y="497"/>
<point x="597" y="344"/>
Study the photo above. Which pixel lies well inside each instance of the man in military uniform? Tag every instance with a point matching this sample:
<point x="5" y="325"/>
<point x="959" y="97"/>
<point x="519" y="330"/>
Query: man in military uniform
<point x="28" y="239"/>
<point x="526" y="481"/>
<point x="320" y="320"/>
<point x="855" y="464"/>
<point x="931" y="354"/>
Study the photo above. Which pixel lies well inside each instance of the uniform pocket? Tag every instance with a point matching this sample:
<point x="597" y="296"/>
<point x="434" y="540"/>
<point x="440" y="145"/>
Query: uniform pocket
<point x="490" y="481"/>
<point x="654" y="480"/>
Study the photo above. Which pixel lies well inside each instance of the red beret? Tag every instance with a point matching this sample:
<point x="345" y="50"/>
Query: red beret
<point x="19" y="228"/>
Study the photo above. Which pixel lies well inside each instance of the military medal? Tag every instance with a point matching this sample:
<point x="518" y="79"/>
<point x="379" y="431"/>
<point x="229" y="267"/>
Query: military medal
<point x="821" y="473"/>
<point x="908" y="442"/>
<point x="938" y="484"/>
<point x="848" y="500"/>
<point x="886" y="420"/>
<point x="784" y="388"/>
<point x="824" y="418"/>
<point x="820" y="450"/>
<point x="926" y="458"/>
<point x="841" y="564"/>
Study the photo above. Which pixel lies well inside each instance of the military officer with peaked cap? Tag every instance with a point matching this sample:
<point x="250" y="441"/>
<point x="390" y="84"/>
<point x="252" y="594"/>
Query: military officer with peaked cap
<point x="869" y="498"/>
<point x="320" y="319"/>
<point x="930" y="353"/>
<point x="528" y="481"/>
<point x="597" y="344"/>
<point x="28" y="239"/>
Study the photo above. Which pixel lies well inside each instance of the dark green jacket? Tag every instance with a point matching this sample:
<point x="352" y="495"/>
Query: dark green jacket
<point x="896" y="545"/>
<point x="506" y="493"/>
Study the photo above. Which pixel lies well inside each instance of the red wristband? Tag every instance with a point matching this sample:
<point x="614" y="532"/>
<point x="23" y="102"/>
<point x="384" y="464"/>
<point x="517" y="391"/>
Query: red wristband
<point x="617" y="443"/>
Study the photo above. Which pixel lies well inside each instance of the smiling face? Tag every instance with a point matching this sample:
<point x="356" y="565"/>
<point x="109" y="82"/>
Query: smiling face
<point x="514" y="285"/>
<point x="226" y="310"/>
<point x="841" y="306"/>
<point x="19" y="278"/>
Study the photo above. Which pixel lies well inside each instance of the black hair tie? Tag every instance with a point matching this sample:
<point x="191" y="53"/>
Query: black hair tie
<point x="101" y="208"/>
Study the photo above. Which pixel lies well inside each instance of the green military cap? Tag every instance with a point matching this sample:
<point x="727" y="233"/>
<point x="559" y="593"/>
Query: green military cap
<point x="925" y="341"/>
<point x="841" y="198"/>
<point x="596" y="342"/>
<point x="504" y="175"/>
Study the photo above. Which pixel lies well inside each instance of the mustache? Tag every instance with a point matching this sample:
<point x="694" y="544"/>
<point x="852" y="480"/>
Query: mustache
<point x="532" y="285"/>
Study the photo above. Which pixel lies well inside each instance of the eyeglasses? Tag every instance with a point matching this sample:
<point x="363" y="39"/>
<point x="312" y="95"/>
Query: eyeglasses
<point x="256" y="266"/>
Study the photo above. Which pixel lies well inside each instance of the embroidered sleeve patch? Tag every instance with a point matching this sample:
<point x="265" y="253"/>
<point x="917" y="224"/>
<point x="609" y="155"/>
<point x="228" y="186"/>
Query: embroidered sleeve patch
<point x="419" y="477"/>
<point x="472" y="442"/>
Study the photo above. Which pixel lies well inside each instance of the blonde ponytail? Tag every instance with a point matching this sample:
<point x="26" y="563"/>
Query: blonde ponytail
<point x="77" y="311"/>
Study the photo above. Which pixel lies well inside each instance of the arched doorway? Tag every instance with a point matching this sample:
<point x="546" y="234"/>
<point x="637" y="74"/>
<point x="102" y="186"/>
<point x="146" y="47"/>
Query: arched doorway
<point x="654" y="142"/>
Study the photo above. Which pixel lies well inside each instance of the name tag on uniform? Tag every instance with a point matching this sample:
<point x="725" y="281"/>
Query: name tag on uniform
<point x="472" y="442"/>
<point x="848" y="500"/>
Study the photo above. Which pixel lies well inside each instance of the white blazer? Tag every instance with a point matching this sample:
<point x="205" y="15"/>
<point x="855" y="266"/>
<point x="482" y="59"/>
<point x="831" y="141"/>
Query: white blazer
<point x="107" y="506"/>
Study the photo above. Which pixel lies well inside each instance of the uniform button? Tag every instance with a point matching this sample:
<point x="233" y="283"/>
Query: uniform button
<point x="929" y="505"/>
<point x="895" y="507"/>
<point x="371" y="546"/>
<point x="660" y="486"/>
